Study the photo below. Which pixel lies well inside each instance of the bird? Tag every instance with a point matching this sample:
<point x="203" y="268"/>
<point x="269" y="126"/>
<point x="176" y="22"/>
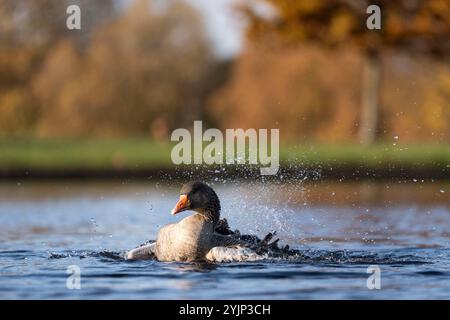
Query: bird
<point x="203" y="236"/>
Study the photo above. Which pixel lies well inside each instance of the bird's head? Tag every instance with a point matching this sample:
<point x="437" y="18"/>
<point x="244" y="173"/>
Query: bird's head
<point x="199" y="197"/>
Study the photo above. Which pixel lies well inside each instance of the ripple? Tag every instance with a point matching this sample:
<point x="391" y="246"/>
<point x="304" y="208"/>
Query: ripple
<point x="308" y="256"/>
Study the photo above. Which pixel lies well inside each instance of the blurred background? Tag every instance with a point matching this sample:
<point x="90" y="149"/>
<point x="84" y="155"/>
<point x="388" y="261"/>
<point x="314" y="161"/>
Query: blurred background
<point x="364" y="119"/>
<point x="109" y="95"/>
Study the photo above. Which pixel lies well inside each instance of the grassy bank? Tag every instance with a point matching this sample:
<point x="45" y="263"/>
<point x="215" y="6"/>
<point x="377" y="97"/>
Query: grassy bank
<point x="375" y="156"/>
<point x="82" y="154"/>
<point x="142" y="154"/>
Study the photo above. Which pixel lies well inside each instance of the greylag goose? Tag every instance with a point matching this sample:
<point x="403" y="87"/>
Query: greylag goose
<point x="202" y="236"/>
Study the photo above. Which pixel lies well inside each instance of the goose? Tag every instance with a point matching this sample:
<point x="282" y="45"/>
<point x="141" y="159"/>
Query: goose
<point x="203" y="236"/>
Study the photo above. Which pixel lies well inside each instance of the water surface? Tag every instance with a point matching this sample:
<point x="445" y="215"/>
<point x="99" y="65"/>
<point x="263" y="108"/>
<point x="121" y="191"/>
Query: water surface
<point x="340" y="228"/>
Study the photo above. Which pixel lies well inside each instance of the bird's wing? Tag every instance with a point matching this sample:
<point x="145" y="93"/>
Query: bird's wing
<point x="144" y="252"/>
<point x="230" y="254"/>
<point x="220" y="240"/>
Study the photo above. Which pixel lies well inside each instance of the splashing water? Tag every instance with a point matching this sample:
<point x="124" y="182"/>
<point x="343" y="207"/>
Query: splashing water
<point x="403" y="229"/>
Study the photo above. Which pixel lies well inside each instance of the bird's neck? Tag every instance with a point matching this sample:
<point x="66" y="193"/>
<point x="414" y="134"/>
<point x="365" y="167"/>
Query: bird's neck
<point x="210" y="214"/>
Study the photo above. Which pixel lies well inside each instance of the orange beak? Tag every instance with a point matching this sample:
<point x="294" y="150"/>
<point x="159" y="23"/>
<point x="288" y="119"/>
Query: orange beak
<point x="181" y="205"/>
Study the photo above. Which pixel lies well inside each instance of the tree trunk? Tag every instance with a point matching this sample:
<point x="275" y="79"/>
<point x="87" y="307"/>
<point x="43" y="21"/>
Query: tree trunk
<point x="370" y="98"/>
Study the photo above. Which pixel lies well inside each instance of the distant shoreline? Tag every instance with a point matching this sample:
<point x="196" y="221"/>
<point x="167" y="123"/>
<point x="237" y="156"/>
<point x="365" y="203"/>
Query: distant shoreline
<point x="141" y="158"/>
<point x="340" y="173"/>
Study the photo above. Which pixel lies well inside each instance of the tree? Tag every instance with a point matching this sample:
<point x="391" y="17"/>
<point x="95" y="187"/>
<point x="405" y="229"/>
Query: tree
<point x="147" y="71"/>
<point x="29" y="31"/>
<point x="419" y="27"/>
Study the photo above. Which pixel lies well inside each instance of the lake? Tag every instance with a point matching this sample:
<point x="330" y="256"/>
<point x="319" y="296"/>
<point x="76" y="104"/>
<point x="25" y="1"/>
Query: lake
<point x="402" y="229"/>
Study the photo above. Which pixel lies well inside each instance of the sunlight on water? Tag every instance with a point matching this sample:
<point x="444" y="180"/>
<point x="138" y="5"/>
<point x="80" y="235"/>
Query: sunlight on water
<point x="340" y="229"/>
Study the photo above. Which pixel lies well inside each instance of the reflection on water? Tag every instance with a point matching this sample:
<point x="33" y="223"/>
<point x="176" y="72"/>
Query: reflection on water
<point x="340" y="228"/>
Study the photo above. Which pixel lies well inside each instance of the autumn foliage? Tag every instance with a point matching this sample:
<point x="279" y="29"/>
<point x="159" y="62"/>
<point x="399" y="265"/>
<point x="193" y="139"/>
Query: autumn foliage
<point x="142" y="72"/>
<point x="316" y="70"/>
<point x="146" y="69"/>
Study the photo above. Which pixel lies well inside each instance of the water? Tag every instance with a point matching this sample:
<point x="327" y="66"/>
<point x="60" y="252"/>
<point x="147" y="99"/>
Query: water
<point x="341" y="230"/>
